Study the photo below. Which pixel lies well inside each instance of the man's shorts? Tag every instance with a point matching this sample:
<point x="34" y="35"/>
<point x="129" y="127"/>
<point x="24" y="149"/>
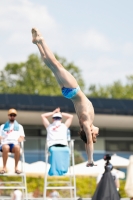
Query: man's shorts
<point x="10" y="145"/>
<point x="70" y="92"/>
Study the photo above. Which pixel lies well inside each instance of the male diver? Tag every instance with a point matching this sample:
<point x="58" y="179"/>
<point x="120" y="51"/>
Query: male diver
<point x="71" y="90"/>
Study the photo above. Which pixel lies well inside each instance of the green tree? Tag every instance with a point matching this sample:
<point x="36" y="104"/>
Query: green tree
<point x="116" y="90"/>
<point x="78" y="157"/>
<point x="34" y="77"/>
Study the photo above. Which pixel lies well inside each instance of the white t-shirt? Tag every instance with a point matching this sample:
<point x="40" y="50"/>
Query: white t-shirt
<point x="11" y="137"/>
<point x="18" y="195"/>
<point x="57" y="133"/>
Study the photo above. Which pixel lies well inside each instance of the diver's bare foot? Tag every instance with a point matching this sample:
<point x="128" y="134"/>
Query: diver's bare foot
<point x="36" y="36"/>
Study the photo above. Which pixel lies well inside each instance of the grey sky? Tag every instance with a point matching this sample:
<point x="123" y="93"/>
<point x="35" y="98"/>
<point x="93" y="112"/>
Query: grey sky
<point x="96" y="35"/>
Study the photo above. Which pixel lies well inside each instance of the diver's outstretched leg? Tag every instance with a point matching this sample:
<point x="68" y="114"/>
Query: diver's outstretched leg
<point x="64" y="78"/>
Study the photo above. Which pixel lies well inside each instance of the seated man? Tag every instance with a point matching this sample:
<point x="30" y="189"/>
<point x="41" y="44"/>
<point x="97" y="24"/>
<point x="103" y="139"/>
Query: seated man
<point x="56" y="139"/>
<point x="57" y="131"/>
<point x="11" y="134"/>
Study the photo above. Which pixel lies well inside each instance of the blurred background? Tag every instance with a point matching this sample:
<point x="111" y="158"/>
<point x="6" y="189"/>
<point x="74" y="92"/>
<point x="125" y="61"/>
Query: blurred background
<point x="93" y="40"/>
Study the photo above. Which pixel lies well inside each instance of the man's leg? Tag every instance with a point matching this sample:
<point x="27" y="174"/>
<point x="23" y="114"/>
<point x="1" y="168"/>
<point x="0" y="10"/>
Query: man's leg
<point x="16" y="151"/>
<point x="63" y="77"/>
<point x="5" y="151"/>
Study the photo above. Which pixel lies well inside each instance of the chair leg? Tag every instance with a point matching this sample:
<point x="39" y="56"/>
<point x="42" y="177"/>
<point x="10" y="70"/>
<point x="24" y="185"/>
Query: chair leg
<point x="23" y="170"/>
<point x="73" y="163"/>
<point x="45" y="180"/>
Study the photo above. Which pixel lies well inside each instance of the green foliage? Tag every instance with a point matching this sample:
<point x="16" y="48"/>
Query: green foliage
<point x="122" y="191"/>
<point x="85" y="185"/>
<point x="116" y="90"/>
<point x="34" y="77"/>
<point x="78" y="157"/>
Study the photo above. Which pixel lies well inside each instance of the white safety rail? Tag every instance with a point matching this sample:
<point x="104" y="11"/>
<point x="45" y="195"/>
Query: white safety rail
<point x="22" y="185"/>
<point x="71" y="184"/>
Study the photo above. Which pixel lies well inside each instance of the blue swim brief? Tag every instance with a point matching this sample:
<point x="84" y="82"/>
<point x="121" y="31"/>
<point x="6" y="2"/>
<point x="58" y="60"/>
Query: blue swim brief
<point x="10" y="145"/>
<point x="70" y="92"/>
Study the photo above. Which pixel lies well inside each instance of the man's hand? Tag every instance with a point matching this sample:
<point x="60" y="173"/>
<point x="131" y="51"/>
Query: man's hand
<point x="20" y="139"/>
<point x="56" y="110"/>
<point x="45" y="116"/>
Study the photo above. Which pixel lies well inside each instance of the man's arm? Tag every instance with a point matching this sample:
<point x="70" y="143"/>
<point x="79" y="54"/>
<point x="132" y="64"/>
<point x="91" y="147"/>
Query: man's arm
<point x="1" y="128"/>
<point x="1" y="137"/>
<point x="46" y="115"/>
<point x="22" y="134"/>
<point x="87" y="130"/>
<point x="89" y="144"/>
<point x="68" y="120"/>
<point x="0" y="134"/>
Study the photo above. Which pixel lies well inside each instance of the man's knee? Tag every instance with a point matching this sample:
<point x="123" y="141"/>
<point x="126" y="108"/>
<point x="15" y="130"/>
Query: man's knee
<point x="5" y="148"/>
<point x="16" y="148"/>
